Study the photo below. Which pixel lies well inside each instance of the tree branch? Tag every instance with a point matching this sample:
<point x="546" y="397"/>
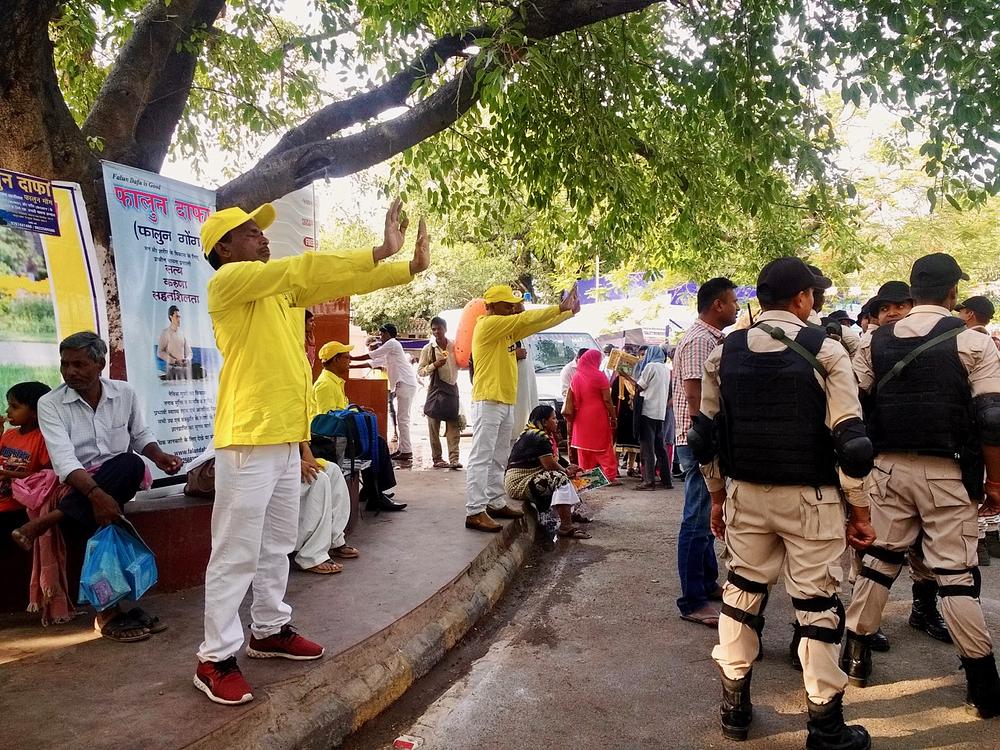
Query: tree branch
<point x="305" y="154"/>
<point x="393" y="93"/>
<point x="138" y="70"/>
<point x="40" y="136"/>
<point x="169" y="96"/>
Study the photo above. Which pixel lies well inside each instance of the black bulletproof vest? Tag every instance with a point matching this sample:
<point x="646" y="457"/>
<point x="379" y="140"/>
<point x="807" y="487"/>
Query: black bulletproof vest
<point x="775" y="414"/>
<point x="928" y="406"/>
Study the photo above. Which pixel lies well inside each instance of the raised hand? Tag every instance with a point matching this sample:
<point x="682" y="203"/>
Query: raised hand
<point x="571" y="302"/>
<point x="396" y="222"/>
<point x="422" y="251"/>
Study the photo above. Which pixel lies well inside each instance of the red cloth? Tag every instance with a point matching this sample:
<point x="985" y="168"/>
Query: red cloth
<point x="19" y="451"/>
<point x="606" y="459"/>
<point x="48" y="592"/>
<point x="591" y="425"/>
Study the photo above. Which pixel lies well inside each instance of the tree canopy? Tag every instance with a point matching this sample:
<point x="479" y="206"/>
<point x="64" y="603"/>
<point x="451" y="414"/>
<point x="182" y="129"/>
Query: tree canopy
<point x="660" y="131"/>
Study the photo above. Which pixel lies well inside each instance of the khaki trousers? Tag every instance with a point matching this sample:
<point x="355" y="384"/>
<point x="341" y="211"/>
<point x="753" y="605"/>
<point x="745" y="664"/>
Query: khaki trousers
<point x="451" y="434"/>
<point x="916" y="493"/>
<point x="914" y="555"/>
<point x="798" y="531"/>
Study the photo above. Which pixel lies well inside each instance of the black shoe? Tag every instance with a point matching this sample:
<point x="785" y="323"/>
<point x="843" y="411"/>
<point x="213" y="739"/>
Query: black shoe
<point x="667" y="484"/>
<point x="879" y="641"/>
<point x="983" y="685"/>
<point x="793" y="648"/>
<point x="924" y="615"/>
<point x="736" y="711"/>
<point x="827" y="730"/>
<point x="982" y="554"/>
<point x="993" y="543"/>
<point x="857" y="659"/>
<point x="381" y="502"/>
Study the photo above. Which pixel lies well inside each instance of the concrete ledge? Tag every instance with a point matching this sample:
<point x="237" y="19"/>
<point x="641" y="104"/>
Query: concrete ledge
<point x="318" y="709"/>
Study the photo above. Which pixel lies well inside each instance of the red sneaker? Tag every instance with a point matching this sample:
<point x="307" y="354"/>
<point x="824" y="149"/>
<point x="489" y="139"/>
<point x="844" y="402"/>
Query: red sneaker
<point x="222" y="682"/>
<point x="285" y="644"/>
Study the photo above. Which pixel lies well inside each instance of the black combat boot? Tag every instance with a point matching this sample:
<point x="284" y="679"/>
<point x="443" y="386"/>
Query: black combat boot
<point x="827" y="730"/>
<point x="924" y="615"/>
<point x="983" y="685"/>
<point x="793" y="647"/>
<point x="857" y="659"/>
<point x="736" y="711"/>
<point x="879" y="641"/>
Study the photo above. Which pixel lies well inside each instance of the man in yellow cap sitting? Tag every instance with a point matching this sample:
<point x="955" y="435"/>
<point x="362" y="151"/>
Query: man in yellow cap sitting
<point x="494" y="393"/>
<point x="262" y="415"/>
<point x="329" y="394"/>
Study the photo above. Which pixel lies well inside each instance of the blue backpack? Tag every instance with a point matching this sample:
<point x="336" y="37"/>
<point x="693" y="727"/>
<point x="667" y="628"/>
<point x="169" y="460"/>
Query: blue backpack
<point x="359" y="429"/>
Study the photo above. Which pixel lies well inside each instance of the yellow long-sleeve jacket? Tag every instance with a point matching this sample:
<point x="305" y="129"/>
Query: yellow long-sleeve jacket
<point x="493" y="350"/>
<point x="258" y="311"/>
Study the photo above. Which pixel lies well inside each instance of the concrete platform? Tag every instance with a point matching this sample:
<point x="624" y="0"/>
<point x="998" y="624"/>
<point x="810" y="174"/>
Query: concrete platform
<point x="422" y="580"/>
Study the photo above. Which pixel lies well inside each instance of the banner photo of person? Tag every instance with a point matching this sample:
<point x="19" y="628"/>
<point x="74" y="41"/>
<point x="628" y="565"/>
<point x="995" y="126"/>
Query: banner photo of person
<point x="50" y="286"/>
<point x="170" y="353"/>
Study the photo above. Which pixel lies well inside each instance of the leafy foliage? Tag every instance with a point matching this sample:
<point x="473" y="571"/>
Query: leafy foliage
<point x="688" y="137"/>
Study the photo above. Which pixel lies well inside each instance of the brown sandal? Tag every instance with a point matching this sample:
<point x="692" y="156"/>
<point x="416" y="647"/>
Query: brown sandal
<point x="573" y="532"/>
<point x="325" y="568"/>
<point x="344" y="552"/>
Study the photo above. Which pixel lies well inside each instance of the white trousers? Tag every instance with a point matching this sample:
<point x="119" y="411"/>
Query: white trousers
<point x="404" y="400"/>
<point x="492" y="425"/>
<point x="324" y="511"/>
<point x="254" y="527"/>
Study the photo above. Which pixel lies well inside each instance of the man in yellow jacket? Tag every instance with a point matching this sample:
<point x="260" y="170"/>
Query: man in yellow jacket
<point x="494" y="393"/>
<point x="262" y="414"/>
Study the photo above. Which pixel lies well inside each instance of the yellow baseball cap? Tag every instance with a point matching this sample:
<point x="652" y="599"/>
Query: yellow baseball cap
<point x="220" y="222"/>
<point x="331" y="349"/>
<point x="502" y="293"/>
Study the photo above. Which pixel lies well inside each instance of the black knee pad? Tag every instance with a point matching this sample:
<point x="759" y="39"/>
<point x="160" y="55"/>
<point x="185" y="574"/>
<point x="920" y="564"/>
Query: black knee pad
<point x="956" y="589"/>
<point x="821" y="604"/>
<point x="890" y="557"/>
<point x="753" y="621"/>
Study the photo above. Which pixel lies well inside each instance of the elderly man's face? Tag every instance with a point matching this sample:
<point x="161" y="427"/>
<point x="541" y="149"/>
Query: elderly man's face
<point x="78" y="370"/>
<point x="246" y="242"/>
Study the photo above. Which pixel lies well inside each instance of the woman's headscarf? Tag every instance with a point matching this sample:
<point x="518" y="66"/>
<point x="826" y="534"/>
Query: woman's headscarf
<point x="589" y="374"/>
<point x="653" y="354"/>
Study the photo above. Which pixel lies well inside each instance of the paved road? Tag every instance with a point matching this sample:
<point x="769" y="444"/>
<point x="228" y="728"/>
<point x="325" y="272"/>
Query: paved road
<point x="587" y="651"/>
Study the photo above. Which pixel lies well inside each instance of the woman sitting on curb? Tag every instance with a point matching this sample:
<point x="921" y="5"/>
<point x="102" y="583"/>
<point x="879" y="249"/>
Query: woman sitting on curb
<point x="537" y="474"/>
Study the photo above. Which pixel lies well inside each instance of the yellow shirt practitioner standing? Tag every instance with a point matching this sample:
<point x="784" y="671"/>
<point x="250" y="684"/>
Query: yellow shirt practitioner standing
<point x="494" y="393"/>
<point x="262" y="415"/>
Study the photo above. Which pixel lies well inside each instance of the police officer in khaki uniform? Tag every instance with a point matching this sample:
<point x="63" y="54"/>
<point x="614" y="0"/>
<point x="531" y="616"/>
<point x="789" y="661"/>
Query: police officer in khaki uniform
<point x="931" y="383"/>
<point x="893" y="302"/>
<point x="781" y="403"/>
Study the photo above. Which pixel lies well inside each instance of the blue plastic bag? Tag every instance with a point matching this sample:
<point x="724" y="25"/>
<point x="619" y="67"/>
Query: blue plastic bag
<point x="138" y="560"/>
<point x="117" y="564"/>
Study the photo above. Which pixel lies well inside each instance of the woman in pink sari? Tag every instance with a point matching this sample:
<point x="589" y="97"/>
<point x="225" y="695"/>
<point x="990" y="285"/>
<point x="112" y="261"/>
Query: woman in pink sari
<point x="591" y="417"/>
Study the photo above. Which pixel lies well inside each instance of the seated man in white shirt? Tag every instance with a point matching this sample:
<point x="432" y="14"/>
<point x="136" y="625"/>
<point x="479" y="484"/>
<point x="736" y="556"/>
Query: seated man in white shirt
<point x="94" y="431"/>
<point x="402" y="382"/>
